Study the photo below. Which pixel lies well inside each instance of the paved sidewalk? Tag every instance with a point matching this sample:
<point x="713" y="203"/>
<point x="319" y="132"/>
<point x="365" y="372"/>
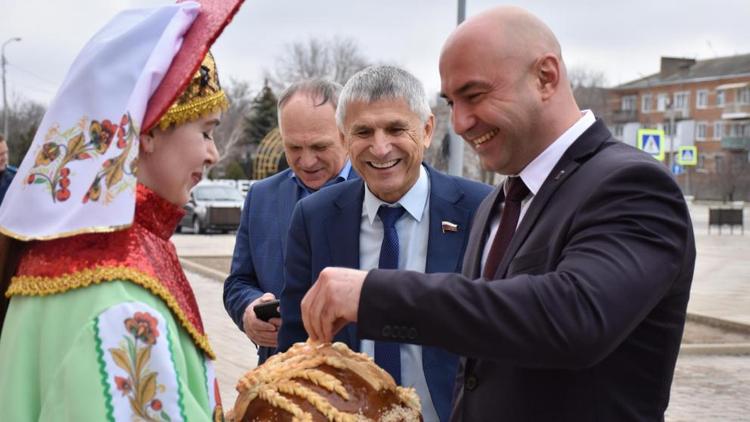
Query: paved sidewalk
<point x="721" y="290"/>
<point x="721" y="284"/>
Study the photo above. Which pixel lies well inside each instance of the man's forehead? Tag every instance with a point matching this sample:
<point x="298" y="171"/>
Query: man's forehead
<point x="383" y="109"/>
<point x="3" y="147"/>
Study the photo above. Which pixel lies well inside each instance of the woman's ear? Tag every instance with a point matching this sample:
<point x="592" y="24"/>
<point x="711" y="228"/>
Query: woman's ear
<point x="147" y="142"/>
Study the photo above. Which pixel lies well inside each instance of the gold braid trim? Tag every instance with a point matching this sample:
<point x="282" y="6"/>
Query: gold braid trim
<point x="44" y="286"/>
<point x="177" y="115"/>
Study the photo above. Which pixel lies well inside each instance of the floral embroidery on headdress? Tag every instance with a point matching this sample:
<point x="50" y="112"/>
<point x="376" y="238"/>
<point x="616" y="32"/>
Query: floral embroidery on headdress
<point x="60" y="151"/>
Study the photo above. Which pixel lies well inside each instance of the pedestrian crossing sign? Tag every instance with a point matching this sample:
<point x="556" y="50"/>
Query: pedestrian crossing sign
<point x="652" y="142"/>
<point x="687" y="156"/>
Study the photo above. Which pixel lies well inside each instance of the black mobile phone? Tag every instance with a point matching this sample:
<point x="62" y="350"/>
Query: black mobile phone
<point x="267" y="310"/>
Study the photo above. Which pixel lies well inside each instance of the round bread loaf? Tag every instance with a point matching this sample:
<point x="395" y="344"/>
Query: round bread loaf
<point x="323" y="382"/>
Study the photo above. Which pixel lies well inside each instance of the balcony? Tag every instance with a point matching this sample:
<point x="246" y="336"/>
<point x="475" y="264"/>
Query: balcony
<point x="624" y="116"/>
<point x="737" y="143"/>
<point x="735" y="111"/>
<point x="679" y="114"/>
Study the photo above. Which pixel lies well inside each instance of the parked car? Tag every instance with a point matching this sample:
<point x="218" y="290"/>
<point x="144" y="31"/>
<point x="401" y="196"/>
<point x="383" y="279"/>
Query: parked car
<point x="213" y="206"/>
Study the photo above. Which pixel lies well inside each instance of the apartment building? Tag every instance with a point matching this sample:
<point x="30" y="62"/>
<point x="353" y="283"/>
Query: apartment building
<point x="705" y="103"/>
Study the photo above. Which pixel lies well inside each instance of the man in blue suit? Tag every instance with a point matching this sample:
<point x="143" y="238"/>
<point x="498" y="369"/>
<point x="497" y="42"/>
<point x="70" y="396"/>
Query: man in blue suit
<point x="6" y="170"/>
<point x="385" y="120"/>
<point x="317" y="159"/>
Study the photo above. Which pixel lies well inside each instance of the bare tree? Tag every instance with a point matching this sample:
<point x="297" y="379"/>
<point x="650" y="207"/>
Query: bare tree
<point x="336" y="59"/>
<point x="732" y="177"/>
<point x="230" y="133"/>
<point x="588" y="89"/>
<point x="24" y="117"/>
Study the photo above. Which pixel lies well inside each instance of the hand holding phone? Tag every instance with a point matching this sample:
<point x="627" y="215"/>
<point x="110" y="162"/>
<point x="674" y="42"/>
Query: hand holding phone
<point x="267" y="310"/>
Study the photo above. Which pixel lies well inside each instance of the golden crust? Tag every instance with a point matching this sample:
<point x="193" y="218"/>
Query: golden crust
<point x="277" y="382"/>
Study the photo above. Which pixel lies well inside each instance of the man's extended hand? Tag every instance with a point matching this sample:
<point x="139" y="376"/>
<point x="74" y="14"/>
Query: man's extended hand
<point x="332" y="302"/>
<point x="260" y="332"/>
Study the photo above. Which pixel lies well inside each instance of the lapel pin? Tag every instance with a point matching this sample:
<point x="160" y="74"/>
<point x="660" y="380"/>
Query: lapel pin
<point x="449" y="227"/>
<point x="559" y="175"/>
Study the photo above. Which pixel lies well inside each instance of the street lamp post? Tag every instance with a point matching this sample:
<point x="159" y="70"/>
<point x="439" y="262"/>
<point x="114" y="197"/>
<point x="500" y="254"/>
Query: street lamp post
<point x="5" y="95"/>
<point x="455" y="144"/>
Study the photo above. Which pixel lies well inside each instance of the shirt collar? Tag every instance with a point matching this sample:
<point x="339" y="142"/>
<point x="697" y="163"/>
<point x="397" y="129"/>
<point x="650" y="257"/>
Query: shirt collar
<point x="342" y="176"/>
<point x="536" y="172"/>
<point x="414" y="200"/>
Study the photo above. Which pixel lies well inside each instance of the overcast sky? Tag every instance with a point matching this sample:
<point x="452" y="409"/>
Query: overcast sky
<point x="623" y="39"/>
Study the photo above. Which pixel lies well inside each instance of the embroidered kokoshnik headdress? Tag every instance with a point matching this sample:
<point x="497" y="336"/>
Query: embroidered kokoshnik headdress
<point x="144" y="68"/>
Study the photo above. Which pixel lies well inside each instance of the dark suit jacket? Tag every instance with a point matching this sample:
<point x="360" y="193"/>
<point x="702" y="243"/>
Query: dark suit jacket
<point x="325" y="232"/>
<point x="258" y="260"/>
<point x="6" y="176"/>
<point x="583" y="319"/>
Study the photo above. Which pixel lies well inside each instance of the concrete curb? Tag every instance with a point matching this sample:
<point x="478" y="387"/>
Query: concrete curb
<point x="719" y="323"/>
<point x="724" y="349"/>
<point x="203" y="270"/>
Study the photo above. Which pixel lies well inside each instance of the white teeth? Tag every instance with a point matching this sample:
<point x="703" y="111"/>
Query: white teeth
<point x="486" y="137"/>
<point x="384" y="165"/>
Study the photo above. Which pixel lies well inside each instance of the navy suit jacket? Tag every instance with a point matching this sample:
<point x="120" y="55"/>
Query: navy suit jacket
<point x="5" y="178"/>
<point x="258" y="260"/>
<point x="582" y="320"/>
<point x="325" y="232"/>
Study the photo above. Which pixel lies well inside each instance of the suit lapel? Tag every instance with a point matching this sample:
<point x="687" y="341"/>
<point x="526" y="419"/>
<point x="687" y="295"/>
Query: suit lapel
<point x="479" y="230"/>
<point x="585" y="146"/>
<point x="347" y="216"/>
<point x="343" y="243"/>
<point x="443" y="247"/>
<point x="287" y="199"/>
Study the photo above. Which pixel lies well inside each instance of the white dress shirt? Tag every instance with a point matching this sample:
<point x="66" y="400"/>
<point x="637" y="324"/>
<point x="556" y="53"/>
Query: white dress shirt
<point x="413" y="234"/>
<point x="537" y="171"/>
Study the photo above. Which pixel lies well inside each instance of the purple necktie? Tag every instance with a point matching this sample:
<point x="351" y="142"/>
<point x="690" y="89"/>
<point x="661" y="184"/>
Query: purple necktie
<point x="511" y="210"/>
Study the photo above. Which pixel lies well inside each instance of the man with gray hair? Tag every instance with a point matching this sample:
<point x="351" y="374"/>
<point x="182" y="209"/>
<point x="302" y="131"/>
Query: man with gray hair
<point x="577" y="272"/>
<point x="317" y="158"/>
<point x="402" y="214"/>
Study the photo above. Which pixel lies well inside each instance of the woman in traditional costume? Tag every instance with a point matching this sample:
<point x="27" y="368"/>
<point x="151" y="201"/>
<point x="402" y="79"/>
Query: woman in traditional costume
<point x="102" y="323"/>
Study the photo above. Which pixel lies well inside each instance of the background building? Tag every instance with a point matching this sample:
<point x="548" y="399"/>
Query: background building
<point x="704" y="103"/>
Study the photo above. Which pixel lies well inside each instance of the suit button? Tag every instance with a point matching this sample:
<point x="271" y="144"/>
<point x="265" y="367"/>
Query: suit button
<point x="402" y="332"/>
<point x="412" y="333"/>
<point x="386" y="331"/>
<point x="470" y="382"/>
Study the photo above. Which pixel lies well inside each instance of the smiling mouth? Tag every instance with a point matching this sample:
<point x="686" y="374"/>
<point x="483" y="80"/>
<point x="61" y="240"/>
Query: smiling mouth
<point x="384" y="165"/>
<point x="197" y="177"/>
<point x="486" y="137"/>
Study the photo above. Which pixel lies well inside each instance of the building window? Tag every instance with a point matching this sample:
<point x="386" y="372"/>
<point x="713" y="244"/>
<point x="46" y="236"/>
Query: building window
<point x="666" y="127"/>
<point x="718" y="129"/>
<point x="720" y="98"/>
<point x="733" y="130"/>
<point x="700" y="130"/>
<point x="618" y="131"/>
<point x="628" y="102"/>
<point x="718" y="163"/>
<point x="681" y="100"/>
<point x="701" y="99"/>
<point x="743" y="95"/>
<point x="661" y="102"/>
<point x="646" y="102"/>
